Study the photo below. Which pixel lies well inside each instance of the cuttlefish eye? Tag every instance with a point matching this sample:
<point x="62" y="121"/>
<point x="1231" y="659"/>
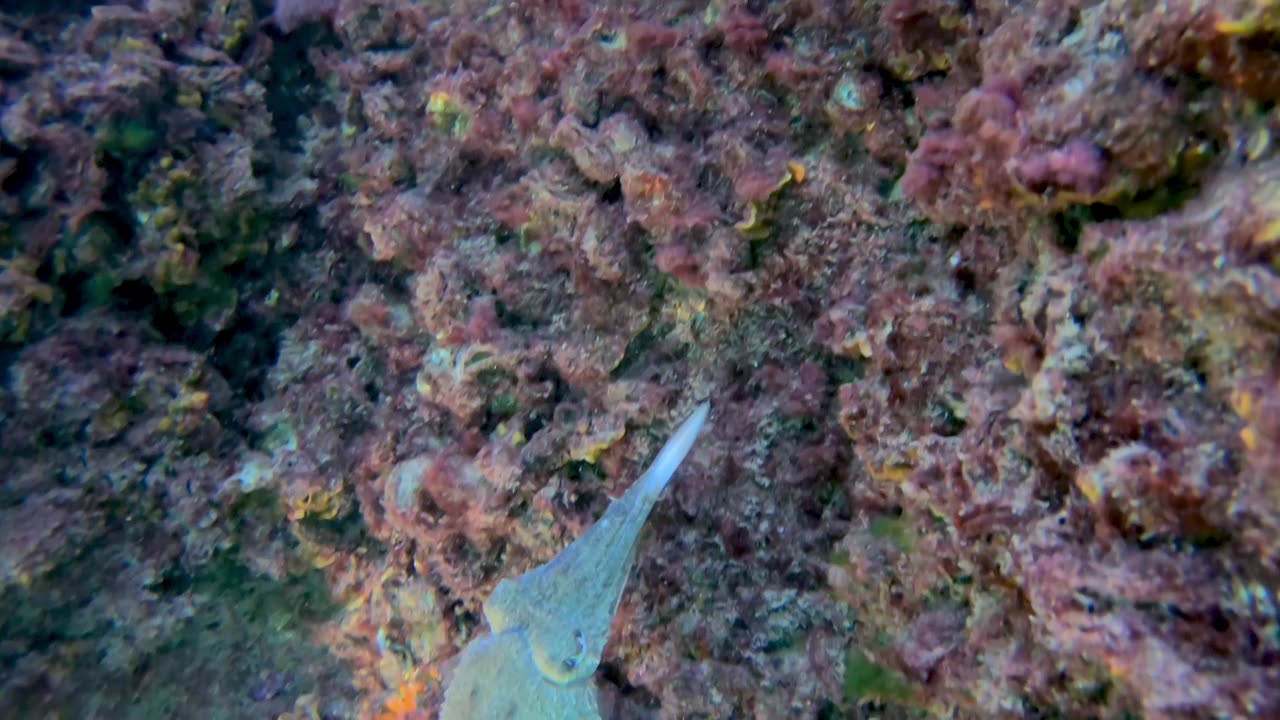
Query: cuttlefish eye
<point x="572" y="662"/>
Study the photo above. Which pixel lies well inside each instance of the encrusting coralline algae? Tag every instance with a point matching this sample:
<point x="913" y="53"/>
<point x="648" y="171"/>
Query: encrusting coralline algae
<point x="316" y="329"/>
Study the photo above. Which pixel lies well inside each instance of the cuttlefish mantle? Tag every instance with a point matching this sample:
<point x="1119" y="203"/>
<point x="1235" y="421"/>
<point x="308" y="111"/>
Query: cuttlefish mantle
<point x="548" y="627"/>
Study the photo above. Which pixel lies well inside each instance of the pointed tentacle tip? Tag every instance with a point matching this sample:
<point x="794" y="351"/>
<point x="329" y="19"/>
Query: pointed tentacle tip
<point x="677" y="447"/>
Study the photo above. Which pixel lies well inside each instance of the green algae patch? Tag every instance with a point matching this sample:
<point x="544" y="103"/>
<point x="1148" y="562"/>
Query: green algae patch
<point x="142" y="643"/>
<point x="865" y="679"/>
<point x="894" y="530"/>
<point x="129" y="137"/>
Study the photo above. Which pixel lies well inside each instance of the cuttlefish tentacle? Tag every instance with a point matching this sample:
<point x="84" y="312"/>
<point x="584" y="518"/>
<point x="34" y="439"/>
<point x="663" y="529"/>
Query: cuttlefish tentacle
<point x="566" y="607"/>
<point x="550" y="625"/>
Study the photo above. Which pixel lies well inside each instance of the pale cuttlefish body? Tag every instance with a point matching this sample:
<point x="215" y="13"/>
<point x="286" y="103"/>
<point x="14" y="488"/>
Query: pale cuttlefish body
<point x="549" y="626"/>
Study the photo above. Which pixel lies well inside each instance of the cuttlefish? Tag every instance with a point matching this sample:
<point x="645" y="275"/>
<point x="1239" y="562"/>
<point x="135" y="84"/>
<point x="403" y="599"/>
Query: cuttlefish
<point x="548" y="627"/>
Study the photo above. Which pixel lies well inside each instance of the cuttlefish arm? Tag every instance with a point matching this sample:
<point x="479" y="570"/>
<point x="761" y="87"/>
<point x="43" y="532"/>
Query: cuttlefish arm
<point x="566" y="607"/>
